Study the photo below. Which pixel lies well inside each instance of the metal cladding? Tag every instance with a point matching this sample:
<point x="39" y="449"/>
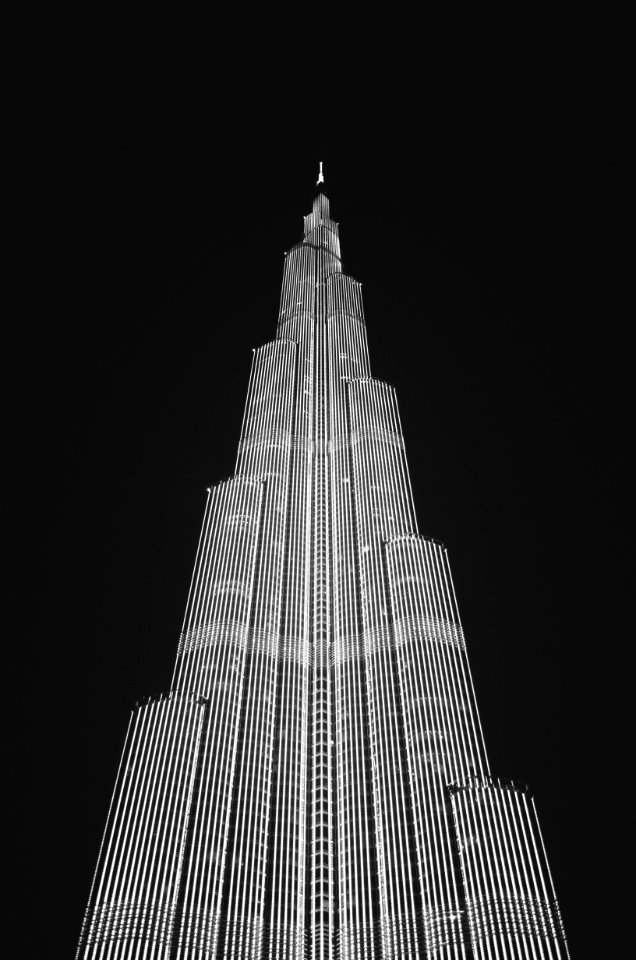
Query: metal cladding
<point x="316" y="785"/>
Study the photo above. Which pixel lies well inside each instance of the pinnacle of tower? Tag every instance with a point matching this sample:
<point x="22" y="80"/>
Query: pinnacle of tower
<point x="321" y="176"/>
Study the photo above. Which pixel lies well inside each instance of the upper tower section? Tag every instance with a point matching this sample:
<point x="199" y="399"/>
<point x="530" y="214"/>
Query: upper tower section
<point x="320" y="230"/>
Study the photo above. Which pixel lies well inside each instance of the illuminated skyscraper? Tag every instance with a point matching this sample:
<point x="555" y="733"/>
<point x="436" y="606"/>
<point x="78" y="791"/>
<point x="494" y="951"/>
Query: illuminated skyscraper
<point x="315" y="784"/>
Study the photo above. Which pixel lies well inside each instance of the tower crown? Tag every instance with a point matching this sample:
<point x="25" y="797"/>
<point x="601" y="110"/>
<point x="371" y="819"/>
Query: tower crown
<point x="320" y="229"/>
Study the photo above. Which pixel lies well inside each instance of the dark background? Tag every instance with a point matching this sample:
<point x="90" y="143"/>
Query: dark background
<point x="488" y="219"/>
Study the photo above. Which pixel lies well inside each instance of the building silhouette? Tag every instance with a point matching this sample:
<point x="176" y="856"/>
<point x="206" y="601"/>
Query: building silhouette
<point x="315" y="783"/>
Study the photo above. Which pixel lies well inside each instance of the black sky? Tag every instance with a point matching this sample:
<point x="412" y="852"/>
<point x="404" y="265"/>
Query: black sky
<point x="488" y="222"/>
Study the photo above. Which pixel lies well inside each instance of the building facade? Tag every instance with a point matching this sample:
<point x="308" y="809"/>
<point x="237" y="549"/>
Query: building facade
<point x="315" y="783"/>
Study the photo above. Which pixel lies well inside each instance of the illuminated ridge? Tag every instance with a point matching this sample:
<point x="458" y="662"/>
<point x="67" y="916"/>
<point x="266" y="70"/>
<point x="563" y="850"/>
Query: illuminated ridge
<point x="315" y="784"/>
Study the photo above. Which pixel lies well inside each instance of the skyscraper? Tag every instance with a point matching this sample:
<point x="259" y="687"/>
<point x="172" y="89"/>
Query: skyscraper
<point x="315" y="783"/>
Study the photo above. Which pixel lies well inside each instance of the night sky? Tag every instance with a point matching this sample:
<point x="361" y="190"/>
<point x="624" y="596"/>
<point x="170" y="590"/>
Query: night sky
<point x="488" y="222"/>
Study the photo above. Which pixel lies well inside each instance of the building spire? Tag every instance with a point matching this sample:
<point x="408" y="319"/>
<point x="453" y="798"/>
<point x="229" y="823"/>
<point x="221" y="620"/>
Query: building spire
<point x="321" y="178"/>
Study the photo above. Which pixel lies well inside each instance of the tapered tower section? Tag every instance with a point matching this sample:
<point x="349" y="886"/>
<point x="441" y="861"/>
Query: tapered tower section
<point x="315" y="784"/>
